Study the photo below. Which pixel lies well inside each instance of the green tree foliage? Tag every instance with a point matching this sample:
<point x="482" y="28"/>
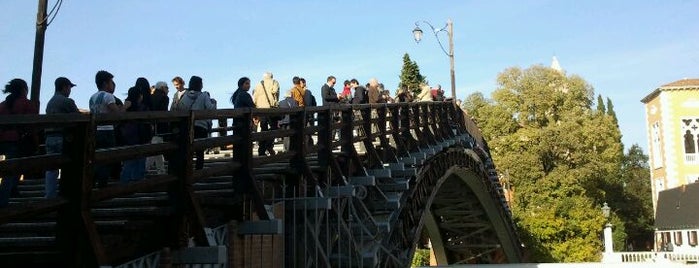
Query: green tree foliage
<point x="562" y="157"/>
<point x="610" y="110"/>
<point x="421" y="257"/>
<point x="410" y="76"/>
<point x="600" y="105"/>
<point x="636" y="207"/>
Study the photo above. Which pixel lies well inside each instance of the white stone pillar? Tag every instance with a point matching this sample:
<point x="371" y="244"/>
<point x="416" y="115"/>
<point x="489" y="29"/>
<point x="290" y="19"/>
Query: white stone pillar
<point x="608" y="241"/>
<point x="608" y="244"/>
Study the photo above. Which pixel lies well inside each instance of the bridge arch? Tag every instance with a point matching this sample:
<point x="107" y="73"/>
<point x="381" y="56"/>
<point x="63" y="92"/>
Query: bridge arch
<point x="462" y="211"/>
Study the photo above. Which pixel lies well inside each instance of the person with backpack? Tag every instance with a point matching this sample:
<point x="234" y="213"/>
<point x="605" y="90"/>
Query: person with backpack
<point x="195" y="99"/>
<point x="287" y="103"/>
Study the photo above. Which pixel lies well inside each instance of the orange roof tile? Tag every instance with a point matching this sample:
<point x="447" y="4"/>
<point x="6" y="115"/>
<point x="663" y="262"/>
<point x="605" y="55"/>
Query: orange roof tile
<point x="693" y="82"/>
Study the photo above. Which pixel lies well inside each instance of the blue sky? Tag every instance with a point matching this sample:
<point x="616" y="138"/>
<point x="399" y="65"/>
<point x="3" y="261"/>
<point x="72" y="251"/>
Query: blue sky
<point x="624" y="49"/>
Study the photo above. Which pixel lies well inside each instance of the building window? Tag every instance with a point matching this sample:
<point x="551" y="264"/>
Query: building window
<point x="678" y="238"/>
<point x="690" y="139"/>
<point x="692" y="237"/>
<point x="665" y="237"/>
<point x="655" y="142"/>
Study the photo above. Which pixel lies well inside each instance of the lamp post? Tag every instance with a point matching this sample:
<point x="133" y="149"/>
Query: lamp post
<point x="449" y="29"/>
<point x="608" y="242"/>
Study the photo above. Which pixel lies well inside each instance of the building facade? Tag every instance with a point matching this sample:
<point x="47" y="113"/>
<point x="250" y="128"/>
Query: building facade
<point x="672" y="120"/>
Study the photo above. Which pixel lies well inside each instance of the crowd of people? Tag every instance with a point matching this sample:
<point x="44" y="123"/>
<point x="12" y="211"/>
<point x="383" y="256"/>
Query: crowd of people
<point x="21" y="142"/>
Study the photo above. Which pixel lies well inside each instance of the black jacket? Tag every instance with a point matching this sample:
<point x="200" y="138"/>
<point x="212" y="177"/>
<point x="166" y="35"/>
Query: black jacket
<point x="329" y="95"/>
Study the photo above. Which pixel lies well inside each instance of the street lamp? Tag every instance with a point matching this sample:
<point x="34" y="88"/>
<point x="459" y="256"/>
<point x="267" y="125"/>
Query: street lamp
<point x="449" y="29"/>
<point x="605" y="210"/>
<point x="608" y="242"/>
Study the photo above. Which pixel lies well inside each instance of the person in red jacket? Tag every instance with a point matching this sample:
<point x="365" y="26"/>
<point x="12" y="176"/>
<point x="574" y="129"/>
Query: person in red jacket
<point x="11" y="138"/>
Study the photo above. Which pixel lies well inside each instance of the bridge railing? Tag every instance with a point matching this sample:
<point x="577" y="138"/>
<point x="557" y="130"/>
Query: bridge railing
<point x="651" y="256"/>
<point x="73" y="209"/>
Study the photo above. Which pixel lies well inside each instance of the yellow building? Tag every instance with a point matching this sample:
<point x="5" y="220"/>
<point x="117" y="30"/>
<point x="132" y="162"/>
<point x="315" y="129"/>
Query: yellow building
<point x="672" y="120"/>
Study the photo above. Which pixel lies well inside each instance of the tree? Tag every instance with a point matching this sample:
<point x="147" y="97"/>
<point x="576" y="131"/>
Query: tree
<point x="562" y="157"/>
<point x="600" y="105"/>
<point x="410" y="76"/>
<point x="610" y="110"/>
<point x="637" y="206"/>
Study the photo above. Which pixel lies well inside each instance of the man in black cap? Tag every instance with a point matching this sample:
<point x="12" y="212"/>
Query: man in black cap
<point x="60" y="103"/>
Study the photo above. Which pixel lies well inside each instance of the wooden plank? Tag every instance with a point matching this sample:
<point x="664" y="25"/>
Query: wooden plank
<point x="269" y="134"/>
<point x="118" y="154"/>
<point x="16" y="166"/>
<point x="206" y="143"/>
<point x="133" y="187"/>
<point x="27" y="210"/>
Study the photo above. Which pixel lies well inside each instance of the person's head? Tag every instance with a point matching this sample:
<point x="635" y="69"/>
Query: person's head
<point x="104" y="81"/>
<point x="267" y="75"/>
<point x="346" y="83"/>
<point x="373" y="83"/>
<point x="16" y="87"/>
<point x="354" y="82"/>
<point x="244" y="83"/>
<point x="63" y="86"/>
<point x="134" y="95"/>
<point x="178" y="83"/>
<point x="142" y="84"/>
<point x="381" y="88"/>
<point x="332" y="80"/>
<point x="296" y="80"/>
<point x="195" y="83"/>
<point x="161" y="87"/>
<point x="302" y="82"/>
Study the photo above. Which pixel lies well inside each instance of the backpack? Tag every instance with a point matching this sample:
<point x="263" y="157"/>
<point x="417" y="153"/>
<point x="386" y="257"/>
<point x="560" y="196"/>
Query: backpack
<point x="180" y="105"/>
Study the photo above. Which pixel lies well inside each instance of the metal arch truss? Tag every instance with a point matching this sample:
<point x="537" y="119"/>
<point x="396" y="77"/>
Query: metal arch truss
<point x="463" y="210"/>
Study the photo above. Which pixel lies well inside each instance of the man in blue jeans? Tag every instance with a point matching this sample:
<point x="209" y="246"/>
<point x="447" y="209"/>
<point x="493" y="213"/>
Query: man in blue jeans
<point x="60" y="103"/>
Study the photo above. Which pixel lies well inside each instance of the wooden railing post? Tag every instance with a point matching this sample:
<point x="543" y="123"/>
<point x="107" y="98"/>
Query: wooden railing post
<point x="387" y="152"/>
<point x="325" y="139"/>
<point x="180" y="164"/>
<point x="346" y="136"/>
<point x="244" y="180"/>
<point x="298" y="145"/>
<point x="405" y="128"/>
<point x="76" y="233"/>
<point x="417" y="124"/>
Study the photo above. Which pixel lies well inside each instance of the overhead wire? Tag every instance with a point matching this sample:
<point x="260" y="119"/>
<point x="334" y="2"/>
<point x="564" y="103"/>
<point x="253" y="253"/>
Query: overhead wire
<point x="54" y="11"/>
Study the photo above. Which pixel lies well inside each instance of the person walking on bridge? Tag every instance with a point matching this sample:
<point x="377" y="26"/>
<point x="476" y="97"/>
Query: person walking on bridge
<point x="11" y="138"/>
<point x="327" y="91"/>
<point x="178" y="83"/>
<point x="60" y="103"/>
<point x="103" y="102"/>
<point x="195" y="99"/>
<point x="298" y="92"/>
<point x="266" y="95"/>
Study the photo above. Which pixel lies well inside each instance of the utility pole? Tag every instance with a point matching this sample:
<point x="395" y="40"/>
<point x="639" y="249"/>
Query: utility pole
<point x="41" y="23"/>
<point x="450" y="31"/>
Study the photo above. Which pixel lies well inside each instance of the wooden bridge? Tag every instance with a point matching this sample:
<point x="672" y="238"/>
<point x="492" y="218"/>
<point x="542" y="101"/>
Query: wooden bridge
<point x="378" y="181"/>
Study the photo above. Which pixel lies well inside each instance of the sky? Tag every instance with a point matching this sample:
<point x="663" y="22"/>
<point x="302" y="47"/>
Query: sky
<point x="624" y="49"/>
